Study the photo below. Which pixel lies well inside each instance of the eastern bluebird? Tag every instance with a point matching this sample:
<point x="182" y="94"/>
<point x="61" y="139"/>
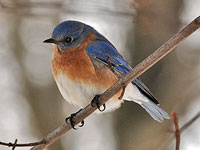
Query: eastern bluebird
<point x="81" y="69"/>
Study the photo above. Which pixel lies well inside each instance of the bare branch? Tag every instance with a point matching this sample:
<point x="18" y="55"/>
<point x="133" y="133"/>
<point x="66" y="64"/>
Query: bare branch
<point x="177" y="131"/>
<point x="10" y="144"/>
<point x="182" y="129"/>
<point x="15" y="145"/>
<point x="138" y="70"/>
<point x="185" y="126"/>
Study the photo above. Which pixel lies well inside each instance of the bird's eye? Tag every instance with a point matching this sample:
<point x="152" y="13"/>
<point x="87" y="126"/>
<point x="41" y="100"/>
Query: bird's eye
<point x="68" y="39"/>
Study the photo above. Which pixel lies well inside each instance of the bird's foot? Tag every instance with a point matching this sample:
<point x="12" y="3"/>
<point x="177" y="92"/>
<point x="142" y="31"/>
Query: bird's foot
<point x="122" y="93"/>
<point x="72" y="122"/>
<point x="95" y="102"/>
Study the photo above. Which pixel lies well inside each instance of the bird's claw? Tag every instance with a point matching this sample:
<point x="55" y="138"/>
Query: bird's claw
<point x="72" y="122"/>
<point x="82" y="123"/>
<point x="95" y="102"/>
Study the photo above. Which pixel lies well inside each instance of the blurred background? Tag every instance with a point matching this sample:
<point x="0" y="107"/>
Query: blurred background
<point x="31" y="105"/>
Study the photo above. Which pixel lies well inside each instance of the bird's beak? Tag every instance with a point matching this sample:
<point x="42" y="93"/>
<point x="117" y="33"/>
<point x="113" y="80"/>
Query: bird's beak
<point x="51" y="40"/>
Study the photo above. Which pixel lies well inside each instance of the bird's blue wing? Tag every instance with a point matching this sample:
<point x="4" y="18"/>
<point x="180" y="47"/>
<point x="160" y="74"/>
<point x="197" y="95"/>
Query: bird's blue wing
<point x="99" y="49"/>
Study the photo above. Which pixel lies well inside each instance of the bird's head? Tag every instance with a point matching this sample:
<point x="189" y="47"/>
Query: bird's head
<point x="69" y="34"/>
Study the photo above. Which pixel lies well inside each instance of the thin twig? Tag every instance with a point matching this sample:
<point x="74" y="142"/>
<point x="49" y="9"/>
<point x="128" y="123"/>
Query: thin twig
<point x="138" y="70"/>
<point x="181" y="130"/>
<point x="10" y="144"/>
<point x="185" y="126"/>
<point x="177" y="131"/>
<point x="15" y="145"/>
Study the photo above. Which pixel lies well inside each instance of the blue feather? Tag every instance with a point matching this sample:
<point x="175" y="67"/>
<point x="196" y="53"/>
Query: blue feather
<point x="100" y="49"/>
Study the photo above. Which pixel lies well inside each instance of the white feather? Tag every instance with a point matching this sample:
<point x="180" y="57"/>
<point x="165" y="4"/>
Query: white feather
<point x="77" y="93"/>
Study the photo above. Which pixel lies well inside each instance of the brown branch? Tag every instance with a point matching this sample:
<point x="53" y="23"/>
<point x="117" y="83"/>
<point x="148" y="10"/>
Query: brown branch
<point x="138" y="70"/>
<point x="177" y="131"/>
<point x="182" y="129"/>
<point x="10" y="144"/>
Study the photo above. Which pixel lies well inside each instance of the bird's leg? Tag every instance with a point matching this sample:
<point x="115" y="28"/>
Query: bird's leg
<point x="122" y="93"/>
<point x="72" y="122"/>
<point x="95" y="102"/>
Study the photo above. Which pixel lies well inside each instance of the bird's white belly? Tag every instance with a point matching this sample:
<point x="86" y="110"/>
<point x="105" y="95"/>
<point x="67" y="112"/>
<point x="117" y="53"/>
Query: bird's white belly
<point x="77" y="93"/>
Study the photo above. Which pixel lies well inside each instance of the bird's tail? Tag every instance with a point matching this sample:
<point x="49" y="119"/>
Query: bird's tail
<point x="154" y="110"/>
<point x="142" y="96"/>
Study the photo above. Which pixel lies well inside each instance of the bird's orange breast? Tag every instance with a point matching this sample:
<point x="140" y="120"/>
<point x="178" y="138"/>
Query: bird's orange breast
<point x="78" y="67"/>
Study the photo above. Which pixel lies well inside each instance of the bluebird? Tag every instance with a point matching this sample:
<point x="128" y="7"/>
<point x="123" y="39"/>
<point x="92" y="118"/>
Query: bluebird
<point x="85" y="64"/>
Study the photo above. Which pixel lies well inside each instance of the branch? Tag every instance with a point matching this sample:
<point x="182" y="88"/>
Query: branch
<point x="10" y="144"/>
<point x="186" y="125"/>
<point x="181" y="130"/>
<point x="177" y="131"/>
<point x="137" y="71"/>
<point x="15" y="145"/>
